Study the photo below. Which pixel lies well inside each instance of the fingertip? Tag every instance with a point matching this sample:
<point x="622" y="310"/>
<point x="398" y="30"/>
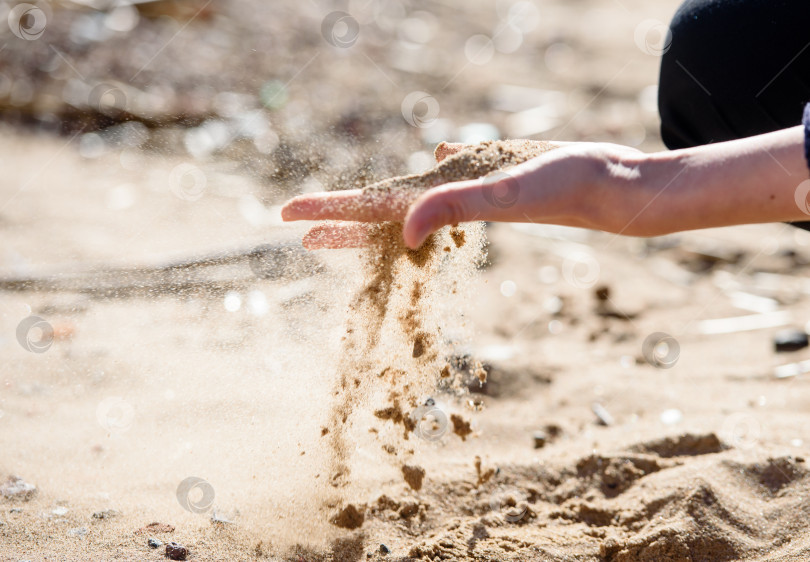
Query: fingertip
<point x="290" y="210"/>
<point x="413" y="239"/>
<point x="417" y="227"/>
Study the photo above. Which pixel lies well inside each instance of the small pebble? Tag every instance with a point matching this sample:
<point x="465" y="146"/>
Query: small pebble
<point x="78" y="532"/>
<point x="154" y="543"/>
<point x="15" y="488"/>
<point x="671" y="416"/>
<point x="790" y="340"/>
<point x="176" y="551"/>
<point x="602" y="415"/>
<point x="602" y="293"/>
<point x="384" y="549"/>
<point x="106" y="514"/>
<point x="540" y="439"/>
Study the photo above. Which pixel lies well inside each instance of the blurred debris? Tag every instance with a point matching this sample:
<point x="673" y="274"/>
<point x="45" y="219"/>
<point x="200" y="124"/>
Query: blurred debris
<point x="744" y="323"/>
<point x="753" y="303"/>
<point x="220" y="518"/>
<point x="792" y="369"/>
<point x="154" y="543"/>
<point x="17" y="489"/>
<point x="106" y="514"/>
<point x="603" y="417"/>
<point x="494" y="378"/>
<point x="483" y="475"/>
<point x="540" y="439"/>
<point x="671" y="416"/>
<point x="414" y="475"/>
<point x="215" y="274"/>
<point x="790" y="339"/>
<point x="605" y="307"/>
<point x="699" y="256"/>
<point x="350" y="517"/>
<point x="155" y="527"/>
<point x="461" y="427"/>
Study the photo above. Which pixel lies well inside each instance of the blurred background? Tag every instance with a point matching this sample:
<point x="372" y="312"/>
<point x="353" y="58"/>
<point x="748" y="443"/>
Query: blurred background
<point x="159" y="322"/>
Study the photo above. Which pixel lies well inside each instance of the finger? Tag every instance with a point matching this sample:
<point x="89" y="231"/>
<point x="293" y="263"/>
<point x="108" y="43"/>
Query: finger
<point x="350" y="205"/>
<point x="336" y="235"/>
<point x="449" y="204"/>
<point x="445" y="149"/>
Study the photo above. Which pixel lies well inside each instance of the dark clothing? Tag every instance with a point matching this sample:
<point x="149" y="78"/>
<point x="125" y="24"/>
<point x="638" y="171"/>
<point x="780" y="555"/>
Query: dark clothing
<point x="735" y="68"/>
<point x="806" y="123"/>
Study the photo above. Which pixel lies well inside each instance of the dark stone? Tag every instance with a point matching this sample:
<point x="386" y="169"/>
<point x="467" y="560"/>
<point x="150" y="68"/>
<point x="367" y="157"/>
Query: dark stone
<point x="176" y="551"/>
<point x="540" y="439"/>
<point x="384" y="549"/>
<point x="154" y="543"/>
<point x="790" y="340"/>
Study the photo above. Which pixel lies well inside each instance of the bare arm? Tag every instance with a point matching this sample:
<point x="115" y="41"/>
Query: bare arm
<point x="752" y="180"/>
<point x="602" y="186"/>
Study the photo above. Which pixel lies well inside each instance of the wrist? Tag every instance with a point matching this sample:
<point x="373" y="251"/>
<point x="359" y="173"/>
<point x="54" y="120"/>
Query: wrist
<point x="631" y="191"/>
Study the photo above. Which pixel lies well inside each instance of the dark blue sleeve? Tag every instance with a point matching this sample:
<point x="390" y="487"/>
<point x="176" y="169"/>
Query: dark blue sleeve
<point x="806" y="121"/>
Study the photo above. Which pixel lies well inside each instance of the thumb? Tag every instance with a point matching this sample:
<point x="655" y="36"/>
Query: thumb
<point x="490" y="198"/>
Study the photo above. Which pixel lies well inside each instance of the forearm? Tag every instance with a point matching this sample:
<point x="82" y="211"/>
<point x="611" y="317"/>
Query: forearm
<point x="752" y="180"/>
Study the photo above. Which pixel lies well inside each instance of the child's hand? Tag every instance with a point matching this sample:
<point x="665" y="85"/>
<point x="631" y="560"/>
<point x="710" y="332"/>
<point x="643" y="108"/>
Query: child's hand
<point x="562" y="186"/>
<point x="602" y="186"/>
